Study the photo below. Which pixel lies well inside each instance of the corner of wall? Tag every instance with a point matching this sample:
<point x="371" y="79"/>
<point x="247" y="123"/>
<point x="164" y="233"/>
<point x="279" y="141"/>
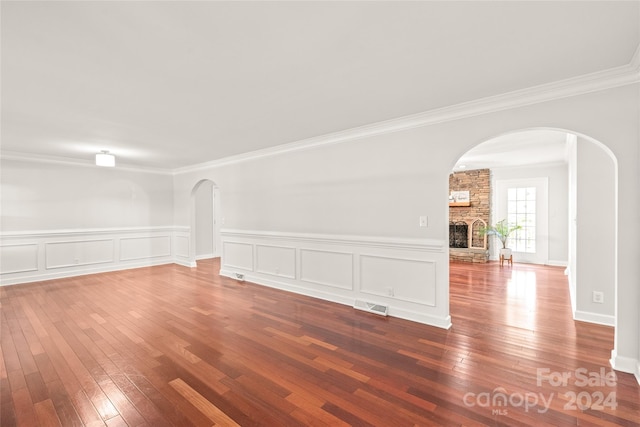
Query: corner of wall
<point x="625" y="364"/>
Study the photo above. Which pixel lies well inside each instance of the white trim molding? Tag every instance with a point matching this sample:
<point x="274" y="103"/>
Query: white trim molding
<point x="599" y="319"/>
<point x="625" y="364"/>
<point x="588" y="83"/>
<point x="407" y="275"/>
<point x="32" y="256"/>
<point x="432" y="245"/>
<point x="557" y="263"/>
<point x="206" y="256"/>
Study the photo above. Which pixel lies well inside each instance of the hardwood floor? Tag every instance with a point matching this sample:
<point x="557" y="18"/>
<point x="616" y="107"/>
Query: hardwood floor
<point x="170" y="345"/>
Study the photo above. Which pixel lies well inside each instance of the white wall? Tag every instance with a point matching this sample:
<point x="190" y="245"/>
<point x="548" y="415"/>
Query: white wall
<point x="61" y="220"/>
<point x="56" y="196"/>
<point x="595" y="224"/>
<point x="572" y="163"/>
<point x="380" y="185"/>
<point x="204" y="220"/>
<point x="557" y="178"/>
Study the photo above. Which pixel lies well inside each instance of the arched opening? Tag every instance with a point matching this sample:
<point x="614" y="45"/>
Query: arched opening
<point x="204" y="241"/>
<point x="574" y="221"/>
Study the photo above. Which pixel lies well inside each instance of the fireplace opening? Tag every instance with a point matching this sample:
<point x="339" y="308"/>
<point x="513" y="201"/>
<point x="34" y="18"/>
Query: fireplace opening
<point x="458" y="235"/>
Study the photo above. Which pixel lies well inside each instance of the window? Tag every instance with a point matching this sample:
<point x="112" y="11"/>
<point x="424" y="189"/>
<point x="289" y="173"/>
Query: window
<point x="521" y="210"/>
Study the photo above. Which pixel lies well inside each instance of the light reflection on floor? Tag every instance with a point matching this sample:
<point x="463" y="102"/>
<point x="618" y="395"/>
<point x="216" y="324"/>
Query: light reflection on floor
<point x="520" y="307"/>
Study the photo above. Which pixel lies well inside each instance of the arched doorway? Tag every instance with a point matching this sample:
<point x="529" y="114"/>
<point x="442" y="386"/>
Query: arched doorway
<point x="589" y="222"/>
<point x="204" y="221"/>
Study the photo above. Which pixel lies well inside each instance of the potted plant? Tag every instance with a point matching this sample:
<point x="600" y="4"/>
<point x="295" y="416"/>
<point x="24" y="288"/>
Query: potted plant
<point x="502" y="230"/>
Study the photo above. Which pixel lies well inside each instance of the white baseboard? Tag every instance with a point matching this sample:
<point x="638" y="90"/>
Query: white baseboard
<point x="207" y="256"/>
<point x="625" y="364"/>
<point x="551" y="262"/>
<point x="276" y="284"/>
<point x="599" y="319"/>
<point x="402" y="313"/>
<point x="440" y="322"/>
<point x="185" y="263"/>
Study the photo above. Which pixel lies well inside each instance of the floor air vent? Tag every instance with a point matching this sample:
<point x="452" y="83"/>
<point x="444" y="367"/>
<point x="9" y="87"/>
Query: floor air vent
<point x="371" y="307"/>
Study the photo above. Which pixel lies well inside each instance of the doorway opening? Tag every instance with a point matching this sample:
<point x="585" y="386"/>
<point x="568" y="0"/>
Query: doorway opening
<point x="204" y="242"/>
<point x="561" y="189"/>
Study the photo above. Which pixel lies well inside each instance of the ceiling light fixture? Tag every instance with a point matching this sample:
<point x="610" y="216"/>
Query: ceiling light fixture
<point x="105" y="159"/>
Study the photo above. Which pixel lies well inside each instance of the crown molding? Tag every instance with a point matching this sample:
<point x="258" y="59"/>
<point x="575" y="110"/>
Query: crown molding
<point x="39" y="158"/>
<point x="588" y="83"/>
<point x="635" y="60"/>
<point x="75" y="232"/>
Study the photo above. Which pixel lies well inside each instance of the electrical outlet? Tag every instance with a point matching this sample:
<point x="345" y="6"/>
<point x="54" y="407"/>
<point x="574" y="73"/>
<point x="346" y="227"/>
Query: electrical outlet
<point x="390" y="292"/>
<point x="423" y="221"/>
<point x="598" y="297"/>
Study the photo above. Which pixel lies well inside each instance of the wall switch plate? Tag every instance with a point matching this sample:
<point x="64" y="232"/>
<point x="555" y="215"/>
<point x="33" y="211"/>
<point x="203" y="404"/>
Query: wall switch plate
<point x="598" y="297"/>
<point x="423" y="221"/>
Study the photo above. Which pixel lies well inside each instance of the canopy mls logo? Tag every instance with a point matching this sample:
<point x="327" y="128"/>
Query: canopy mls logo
<point x="498" y="400"/>
<point x="588" y="396"/>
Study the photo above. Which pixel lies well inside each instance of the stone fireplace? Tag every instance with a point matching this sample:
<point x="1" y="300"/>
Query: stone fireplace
<point x="468" y="217"/>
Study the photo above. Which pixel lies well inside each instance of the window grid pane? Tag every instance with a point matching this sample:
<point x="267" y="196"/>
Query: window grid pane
<point x="521" y="210"/>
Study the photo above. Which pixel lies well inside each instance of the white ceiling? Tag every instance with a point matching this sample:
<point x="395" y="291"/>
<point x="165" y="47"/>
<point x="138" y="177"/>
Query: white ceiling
<point x="172" y="84"/>
<point x="532" y="147"/>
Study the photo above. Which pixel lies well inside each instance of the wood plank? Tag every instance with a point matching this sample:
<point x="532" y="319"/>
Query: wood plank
<point x="46" y="414"/>
<point x="203" y="405"/>
<point x="173" y="346"/>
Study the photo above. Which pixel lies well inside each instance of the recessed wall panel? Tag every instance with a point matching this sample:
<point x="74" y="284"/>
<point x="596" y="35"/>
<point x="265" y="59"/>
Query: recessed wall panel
<point x="276" y="260"/>
<point x="132" y="248"/>
<point x="182" y="246"/>
<point x="80" y="252"/>
<point x="404" y="279"/>
<point x="18" y="258"/>
<point x="238" y="255"/>
<point x="327" y="268"/>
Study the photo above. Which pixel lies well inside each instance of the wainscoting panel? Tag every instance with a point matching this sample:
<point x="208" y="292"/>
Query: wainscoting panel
<point x="399" y="273"/>
<point x="133" y="248"/>
<point x="19" y="258"/>
<point x="313" y="268"/>
<point x="405" y="279"/>
<point x="79" y="252"/>
<point x="238" y="255"/>
<point x="182" y="246"/>
<point x="276" y="261"/>
<point x="31" y="256"/>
